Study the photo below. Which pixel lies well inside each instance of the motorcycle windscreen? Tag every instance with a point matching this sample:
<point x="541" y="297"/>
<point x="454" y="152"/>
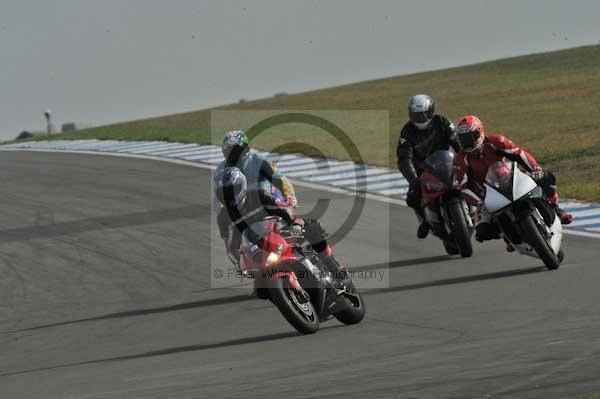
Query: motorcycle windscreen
<point x="440" y="164"/>
<point x="252" y="235"/>
<point x="500" y="178"/>
<point x="523" y="184"/>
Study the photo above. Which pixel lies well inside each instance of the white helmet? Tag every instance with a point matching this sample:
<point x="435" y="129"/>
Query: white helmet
<point x="421" y="109"/>
<point x="230" y="187"/>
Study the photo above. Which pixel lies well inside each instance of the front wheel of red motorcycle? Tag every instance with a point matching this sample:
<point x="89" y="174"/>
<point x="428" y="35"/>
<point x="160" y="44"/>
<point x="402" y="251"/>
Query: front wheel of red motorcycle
<point x="299" y="312"/>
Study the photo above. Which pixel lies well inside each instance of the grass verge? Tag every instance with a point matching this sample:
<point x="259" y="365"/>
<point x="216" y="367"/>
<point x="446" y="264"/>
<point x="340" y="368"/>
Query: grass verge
<point x="548" y="103"/>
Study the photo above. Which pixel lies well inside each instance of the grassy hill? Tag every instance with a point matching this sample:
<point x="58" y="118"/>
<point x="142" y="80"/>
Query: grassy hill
<point x="549" y="103"/>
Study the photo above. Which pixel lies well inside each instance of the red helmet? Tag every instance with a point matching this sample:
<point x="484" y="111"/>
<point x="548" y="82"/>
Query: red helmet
<point x="470" y="133"/>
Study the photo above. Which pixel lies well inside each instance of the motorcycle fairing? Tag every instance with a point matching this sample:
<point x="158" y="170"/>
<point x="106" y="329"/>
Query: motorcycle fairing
<point x="557" y="233"/>
<point x="506" y="183"/>
<point x="555" y="240"/>
<point x="494" y="200"/>
<point x="523" y="184"/>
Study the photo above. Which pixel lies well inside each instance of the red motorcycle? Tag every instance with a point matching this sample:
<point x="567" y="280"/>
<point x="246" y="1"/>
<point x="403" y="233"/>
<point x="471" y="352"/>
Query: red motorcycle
<point x="445" y="208"/>
<point x="286" y="271"/>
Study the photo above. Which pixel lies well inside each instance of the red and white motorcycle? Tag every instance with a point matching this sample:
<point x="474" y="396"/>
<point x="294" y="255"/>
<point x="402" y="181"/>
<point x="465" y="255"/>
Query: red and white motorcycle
<point x="525" y="217"/>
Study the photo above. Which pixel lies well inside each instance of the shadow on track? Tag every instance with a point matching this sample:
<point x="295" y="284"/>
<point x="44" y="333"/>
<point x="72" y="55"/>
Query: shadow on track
<point x="406" y="262"/>
<point x="215" y="301"/>
<point x="167" y="351"/>
<point x="102" y="223"/>
<point x="456" y="280"/>
<point x="142" y="312"/>
<point x="243" y="298"/>
<point x="173" y="350"/>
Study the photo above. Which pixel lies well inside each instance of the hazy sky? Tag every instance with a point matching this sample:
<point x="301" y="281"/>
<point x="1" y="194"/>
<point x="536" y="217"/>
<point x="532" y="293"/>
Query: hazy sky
<point x="100" y="61"/>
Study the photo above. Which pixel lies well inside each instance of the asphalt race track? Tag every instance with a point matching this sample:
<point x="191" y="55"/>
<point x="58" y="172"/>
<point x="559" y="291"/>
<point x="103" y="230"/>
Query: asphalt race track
<point x="105" y="276"/>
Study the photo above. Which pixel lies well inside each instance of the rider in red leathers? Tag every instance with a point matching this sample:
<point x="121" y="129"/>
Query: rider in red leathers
<point x="471" y="164"/>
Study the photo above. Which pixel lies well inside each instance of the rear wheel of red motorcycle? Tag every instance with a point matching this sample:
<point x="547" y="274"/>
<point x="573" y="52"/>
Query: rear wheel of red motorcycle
<point x="301" y="315"/>
<point x="355" y="307"/>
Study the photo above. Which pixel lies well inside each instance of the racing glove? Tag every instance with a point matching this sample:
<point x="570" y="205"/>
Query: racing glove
<point x="537" y="174"/>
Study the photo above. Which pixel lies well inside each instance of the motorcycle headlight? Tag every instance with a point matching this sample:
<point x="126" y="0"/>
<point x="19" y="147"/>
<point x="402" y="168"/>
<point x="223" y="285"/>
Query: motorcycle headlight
<point x="272" y="259"/>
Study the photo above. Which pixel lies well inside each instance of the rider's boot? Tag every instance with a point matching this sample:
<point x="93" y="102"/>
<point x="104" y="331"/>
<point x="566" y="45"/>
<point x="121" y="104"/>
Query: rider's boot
<point x="509" y="246"/>
<point x="423" y="230"/>
<point x="565" y="217"/>
<point x="335" y="267"/>
<point x="424" y="227"/>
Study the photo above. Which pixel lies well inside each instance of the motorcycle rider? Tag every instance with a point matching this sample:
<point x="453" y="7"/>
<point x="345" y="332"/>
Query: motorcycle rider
<point x="255" y="166"/>
<point x="424" y="133"/>
<point x="259" y="173"/>
<point x="240" y="206"/>
<point x="471" y="164"/>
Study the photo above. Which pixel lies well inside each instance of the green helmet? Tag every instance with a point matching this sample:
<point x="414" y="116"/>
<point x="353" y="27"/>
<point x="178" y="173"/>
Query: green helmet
<point x="235" y="146"/>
